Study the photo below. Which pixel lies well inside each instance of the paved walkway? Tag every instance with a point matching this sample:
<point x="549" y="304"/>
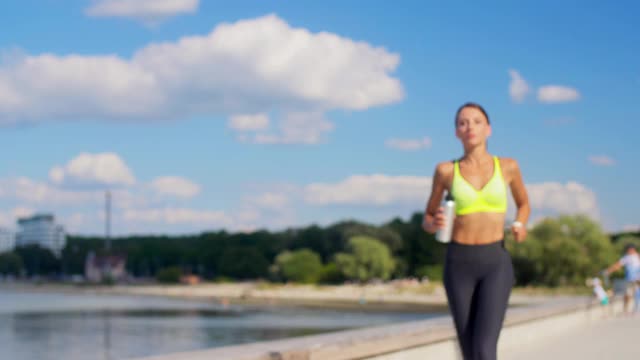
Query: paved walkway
<point x="617" y="338"/>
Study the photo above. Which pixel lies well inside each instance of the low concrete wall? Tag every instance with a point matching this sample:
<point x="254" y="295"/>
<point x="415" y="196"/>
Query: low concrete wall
<point x="427" y="339"/>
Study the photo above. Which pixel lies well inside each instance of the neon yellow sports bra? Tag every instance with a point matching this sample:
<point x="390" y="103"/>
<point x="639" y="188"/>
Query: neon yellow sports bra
<point x="491" y="198"/>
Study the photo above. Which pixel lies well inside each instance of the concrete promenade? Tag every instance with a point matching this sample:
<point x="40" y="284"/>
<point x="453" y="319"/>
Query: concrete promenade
<point x="578" y="333"/>
<point x="615" y="337"/>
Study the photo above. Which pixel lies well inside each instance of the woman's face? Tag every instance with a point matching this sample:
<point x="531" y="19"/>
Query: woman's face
<point x="472" y="127"/>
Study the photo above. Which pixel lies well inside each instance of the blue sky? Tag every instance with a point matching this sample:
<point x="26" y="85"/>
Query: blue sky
<point x="200" y="115"/>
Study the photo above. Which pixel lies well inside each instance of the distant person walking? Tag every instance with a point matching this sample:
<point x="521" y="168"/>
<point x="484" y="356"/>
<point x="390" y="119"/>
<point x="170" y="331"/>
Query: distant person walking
<point x="478" y="273"/>
<point x="630" y="260"/>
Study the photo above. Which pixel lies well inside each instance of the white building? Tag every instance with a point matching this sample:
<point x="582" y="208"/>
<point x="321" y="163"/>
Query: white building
<point x="41" y="230"/>
<point x="7" y="240"/>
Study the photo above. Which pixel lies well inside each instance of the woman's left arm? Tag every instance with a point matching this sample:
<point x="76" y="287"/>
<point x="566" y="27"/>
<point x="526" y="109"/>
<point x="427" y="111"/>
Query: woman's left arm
<point x="519" y="192"/>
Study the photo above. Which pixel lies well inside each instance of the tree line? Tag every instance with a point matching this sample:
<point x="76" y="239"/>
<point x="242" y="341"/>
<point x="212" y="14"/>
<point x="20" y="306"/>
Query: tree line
<point x="559" y="251"/>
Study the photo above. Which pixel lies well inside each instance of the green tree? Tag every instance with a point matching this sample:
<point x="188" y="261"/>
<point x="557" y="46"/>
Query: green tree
<point x="385" y="234"/>
<point x="367" y="258"/>
<point x="301" y="265"/>
<point x="622" y="241"/>
<point x="325" y="242"/>
<point x="10" y="264"/>
<point x="432" y="272"/>
<point x="562" y="251"/>
<point x="419" y="249"/>
<point x="243" y="263"/>
<point x="38" y="260"/>
<point x="330" y="274"/>
<point x="169" y="275"/>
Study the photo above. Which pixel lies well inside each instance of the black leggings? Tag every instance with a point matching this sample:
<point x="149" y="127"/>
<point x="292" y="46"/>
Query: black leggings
<point x="478" y="281"/>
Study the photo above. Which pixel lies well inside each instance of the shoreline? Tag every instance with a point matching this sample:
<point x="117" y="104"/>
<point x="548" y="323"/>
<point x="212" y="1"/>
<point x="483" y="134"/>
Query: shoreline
<point x="379" y="297"/>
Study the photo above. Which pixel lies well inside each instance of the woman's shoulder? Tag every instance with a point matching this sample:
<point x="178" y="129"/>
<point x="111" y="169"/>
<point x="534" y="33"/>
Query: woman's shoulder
<point x="444" y="168"/>
<point x="507" y="163"/>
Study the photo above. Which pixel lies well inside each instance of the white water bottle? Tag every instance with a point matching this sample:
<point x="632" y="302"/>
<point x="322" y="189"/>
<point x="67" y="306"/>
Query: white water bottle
<point x="444" y="235"/>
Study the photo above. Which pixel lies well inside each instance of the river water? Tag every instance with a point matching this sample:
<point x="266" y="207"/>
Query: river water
<point x="38" y="325"/>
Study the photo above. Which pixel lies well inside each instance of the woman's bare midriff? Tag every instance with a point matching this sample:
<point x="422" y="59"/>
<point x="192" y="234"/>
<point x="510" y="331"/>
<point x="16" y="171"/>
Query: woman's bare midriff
<point x="478" y="228"/>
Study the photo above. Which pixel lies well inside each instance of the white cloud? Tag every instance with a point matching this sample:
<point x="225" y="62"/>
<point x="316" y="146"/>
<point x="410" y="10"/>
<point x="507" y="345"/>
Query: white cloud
<point x="305" y="128"/>
<point x="170" y="220"/>
<point x="409" y="144"/>
<point x="77" y="222"/>
<point x="383" y="190"/>
<point x="518" y="87"/>
<point x="602" y="160"/>
<point x="32" y="191"/>
<point x="126" y="198"/>
<point x="375" y="189"/>
<point x="557" y="94"/>
<point x="149" y="11"/>
<point x="271" y="200"/>
<point x="269" y="206"/>
<point x="56" y="174"/>
<point x="179" y="216"/>
<point x="631" y="228"/>
<point x="101" y="168"/>
<point x="567" y="198"/>
<point x="76" y="87"/>
<point x="8" y="218"/>
<point x="22" y="211"/>
<point x="249" y="122"/>
<point x="247" y="67"/>
<point x="249" y="216"/>
<point x="175" y="186"/>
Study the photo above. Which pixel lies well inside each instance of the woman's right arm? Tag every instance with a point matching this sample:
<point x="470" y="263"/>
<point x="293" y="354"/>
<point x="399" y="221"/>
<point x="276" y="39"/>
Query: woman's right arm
<point x="433" y="215"/>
